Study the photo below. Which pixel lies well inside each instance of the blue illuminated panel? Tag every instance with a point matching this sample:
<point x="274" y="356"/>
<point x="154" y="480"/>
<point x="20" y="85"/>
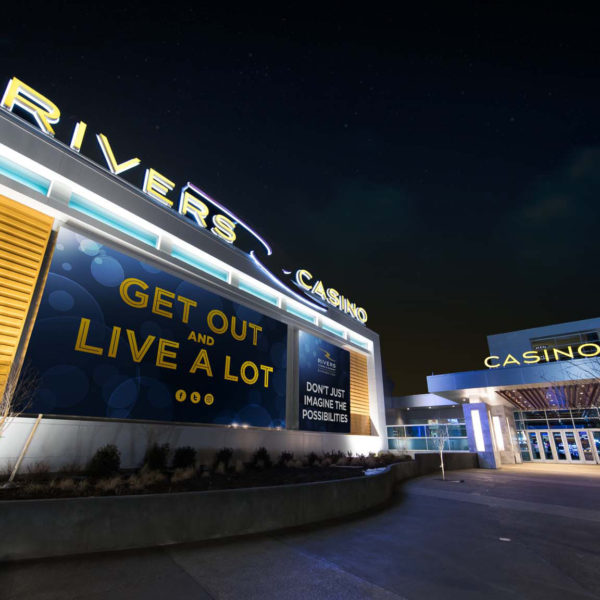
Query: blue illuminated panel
<point x="25" y="176"/>
<point x="93" y="210"/>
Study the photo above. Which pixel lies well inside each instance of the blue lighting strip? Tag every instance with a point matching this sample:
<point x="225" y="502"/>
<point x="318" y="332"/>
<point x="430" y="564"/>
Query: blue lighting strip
<point x="258" y="293"/>
<point x="358" y="342"/>
<point x="301" y="314"/>
<point x="331" y="329"/>
<point x="200" y="264"/>
<point x="93" y="210"/>
<point x="25" y="176"/>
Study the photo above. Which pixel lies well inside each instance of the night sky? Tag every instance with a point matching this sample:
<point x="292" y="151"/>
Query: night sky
<point x="439" y="166"/>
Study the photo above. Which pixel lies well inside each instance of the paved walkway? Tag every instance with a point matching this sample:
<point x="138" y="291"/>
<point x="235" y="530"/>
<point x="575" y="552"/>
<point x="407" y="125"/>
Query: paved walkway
<point x="523" y="532"/>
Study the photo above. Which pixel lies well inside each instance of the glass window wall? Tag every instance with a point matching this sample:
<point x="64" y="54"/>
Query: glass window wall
<point x="424" y="437"/>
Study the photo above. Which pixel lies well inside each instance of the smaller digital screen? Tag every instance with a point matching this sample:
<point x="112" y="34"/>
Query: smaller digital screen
<point x="324" y="375"/>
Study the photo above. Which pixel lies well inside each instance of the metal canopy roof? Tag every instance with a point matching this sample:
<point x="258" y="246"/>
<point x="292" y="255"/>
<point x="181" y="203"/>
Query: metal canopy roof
<point x="554" y="396"/>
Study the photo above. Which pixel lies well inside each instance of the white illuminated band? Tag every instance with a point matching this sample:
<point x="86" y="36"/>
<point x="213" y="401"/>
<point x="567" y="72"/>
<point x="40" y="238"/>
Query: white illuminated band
<point x="282" y="285"/>
<point x="239" y="221"/>
<point x="478" y="431"/>
<point x="498" y="432"/>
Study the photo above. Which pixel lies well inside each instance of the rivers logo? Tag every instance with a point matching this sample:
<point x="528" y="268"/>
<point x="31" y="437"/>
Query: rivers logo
<point x="326" y="364"/>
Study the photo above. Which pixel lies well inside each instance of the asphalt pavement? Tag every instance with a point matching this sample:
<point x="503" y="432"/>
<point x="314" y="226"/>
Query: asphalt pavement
<point x="529" y="531"/>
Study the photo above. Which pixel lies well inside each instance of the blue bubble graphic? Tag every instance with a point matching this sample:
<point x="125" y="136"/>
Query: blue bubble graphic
<point x="107" y="271"/>
<point x="124" y="396"/>
<point x="89" y="247"/>
<point x="61" y="300"/>
<point x="67" y="266"/>
<point x="104" y="373"/>
<point x="149" y="268"/>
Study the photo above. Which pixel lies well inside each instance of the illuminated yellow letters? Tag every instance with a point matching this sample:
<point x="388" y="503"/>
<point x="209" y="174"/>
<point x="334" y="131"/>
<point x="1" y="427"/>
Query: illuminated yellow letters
<point x="241" y="336"/>
<point x="80" y="345"/>
<point x="114" y="342"/>
<point x="249" y="380"/>
<point x="510" y="360"/>
<point x="78" y="134"/>
<point x="202" y="362"/>
<point x="333" y="297"/>
<point x="228" y="375"/>
<point x="319" y="290"/>
<point x="110" y="159"/>
<point x="159" y="302"/>
<point x="302" y="278"/>
<point x="531" y="357"/>
<point x="157" y="186"/>
<point x="568" y="353"/>
<point x="595" y="347"/>
<point x="190" y="205"/>
<point x="187" y="304"/>
<point x="138" y="353"/>
<point x="267" y="371"/>
<point x="255" y="331"/>
<point x="210" y="321"/>
<point x="162" y="353"/>
<point x="224" y="228"/>
<point x="44" y="111"/>
<point x="487" y="363"/>
<point x="141" y="300"/>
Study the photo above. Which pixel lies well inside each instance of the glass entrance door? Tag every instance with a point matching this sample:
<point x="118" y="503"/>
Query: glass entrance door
<point x="565" y="446"/>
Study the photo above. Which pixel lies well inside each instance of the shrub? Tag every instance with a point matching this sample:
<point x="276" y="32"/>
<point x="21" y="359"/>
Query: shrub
<point x="223" y="456"/>
<point x="183" y="474"/>
<point x="184" y="457"/>
<point x="39" y="471"/>
<point x="105" y="462"/>
<point x="156" y="457"/>
<point x="312" y="458"/>
<point x="109" y="485"/>
<point x="285" y="458"/>
<point x="65" y="485"/>
<point x="146" y="478"/>
<point x="261" y="458"/>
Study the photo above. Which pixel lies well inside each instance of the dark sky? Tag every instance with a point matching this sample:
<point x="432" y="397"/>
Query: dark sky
<point x="439" y="165"/>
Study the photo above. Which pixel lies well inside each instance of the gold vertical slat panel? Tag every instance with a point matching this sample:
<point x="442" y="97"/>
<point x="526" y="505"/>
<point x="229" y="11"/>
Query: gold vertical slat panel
<point x="360" y="420"/>
<point x="24" y="235"/>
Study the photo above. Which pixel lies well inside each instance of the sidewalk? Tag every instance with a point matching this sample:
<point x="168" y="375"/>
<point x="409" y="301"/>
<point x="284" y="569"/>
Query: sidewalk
<point x="522" y="532"/>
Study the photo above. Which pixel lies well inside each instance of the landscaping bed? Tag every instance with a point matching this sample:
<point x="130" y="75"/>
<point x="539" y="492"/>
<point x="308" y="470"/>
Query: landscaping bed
<point x="166" y="472"/>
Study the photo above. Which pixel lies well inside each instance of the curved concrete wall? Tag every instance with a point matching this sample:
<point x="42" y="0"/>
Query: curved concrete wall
<point x="43" y="528"/>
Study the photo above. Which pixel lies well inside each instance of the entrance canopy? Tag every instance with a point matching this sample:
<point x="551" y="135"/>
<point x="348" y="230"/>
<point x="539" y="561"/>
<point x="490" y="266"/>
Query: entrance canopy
<point x="555" y="385"/>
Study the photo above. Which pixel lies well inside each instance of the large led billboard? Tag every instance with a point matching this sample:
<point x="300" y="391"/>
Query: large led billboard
<point x="116" y="337"/>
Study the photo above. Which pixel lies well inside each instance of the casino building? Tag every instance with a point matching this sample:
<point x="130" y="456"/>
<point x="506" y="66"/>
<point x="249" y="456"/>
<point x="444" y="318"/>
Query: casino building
<point x="538" y="399"/>
<point x="136" y="310"/>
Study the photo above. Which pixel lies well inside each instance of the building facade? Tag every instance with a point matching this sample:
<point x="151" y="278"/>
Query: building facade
<point x="140" y="311"/>
<point x="537" y="399"/>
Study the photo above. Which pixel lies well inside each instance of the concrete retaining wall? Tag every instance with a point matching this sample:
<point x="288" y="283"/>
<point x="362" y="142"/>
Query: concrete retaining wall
<point x="43" y="528"/>
<point x="60" y="442"/>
